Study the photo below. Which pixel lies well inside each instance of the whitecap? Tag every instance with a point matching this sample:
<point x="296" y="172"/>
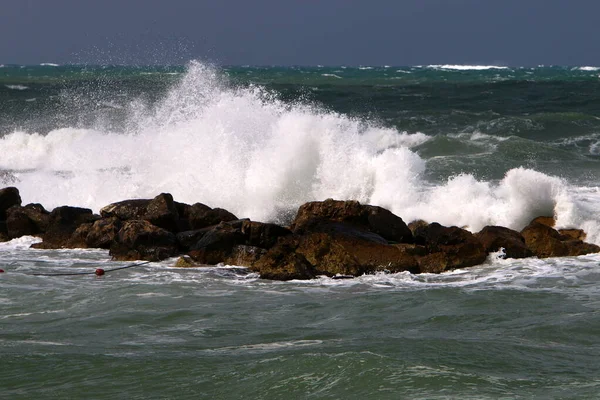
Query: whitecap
<point x="17" y="87"/>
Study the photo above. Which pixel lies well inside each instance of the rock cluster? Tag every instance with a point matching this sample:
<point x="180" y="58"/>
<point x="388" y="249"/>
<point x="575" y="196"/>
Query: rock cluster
<point x="326" y="237"/>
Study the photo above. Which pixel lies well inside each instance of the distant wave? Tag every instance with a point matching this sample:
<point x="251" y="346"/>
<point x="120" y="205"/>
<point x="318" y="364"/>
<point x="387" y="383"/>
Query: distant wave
<point x="466" y="67"/>
<point x="332" y="76"/>
<point x="17" y="87"/>
<point x="49" y="65"/>
<point x="589" y="68"/>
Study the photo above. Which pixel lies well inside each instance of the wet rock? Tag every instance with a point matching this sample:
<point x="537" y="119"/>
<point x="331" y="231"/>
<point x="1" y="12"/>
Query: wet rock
<point x="283" y="263"/>
<point x="200" y="216"/>
<point x="187" y="239"/>
<point x="103" y="233"/>
<point x="9" y="197"/>
<point x="569" y="234"/>
<point x="346" y="255"/>
<point x="162" y="212"/>
<point x="245" y="256"/>
<point x="458" y="248"/>
<point x="78" y="238"/>
<point x="126" y="210"/>
<point x="414" y="226"/>
<point x="494" y="237"/>
<point x="217" y="244"/>
<point x="543" y="240"/>
<point x="544" y="220"/>
<point x="62" y="223"/>
<point x="185" y="262"/>
<point x="140" y="240"/>
<point x="31" y="219"/>
<point x="372" y="218"/>
<point x="263" y="235"/>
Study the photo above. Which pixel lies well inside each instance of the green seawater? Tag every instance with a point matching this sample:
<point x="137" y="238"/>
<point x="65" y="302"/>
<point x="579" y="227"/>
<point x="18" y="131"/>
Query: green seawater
<point x="507" y="329"/>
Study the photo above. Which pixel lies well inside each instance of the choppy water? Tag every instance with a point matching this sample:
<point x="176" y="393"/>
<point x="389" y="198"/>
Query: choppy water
<point x="464" y="146"/>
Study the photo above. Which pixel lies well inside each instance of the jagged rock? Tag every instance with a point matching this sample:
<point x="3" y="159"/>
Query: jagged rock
<point x="187" y="239"/>
<point x="217" y="244"/>
<point x="78" y="238"/>
<point x="9" y="197"/>
<point x="548" y="221"/>
<point x="494" y="237"/>
<point x="31" y="219"/>
<point x="282" y="263"/>
<point x="126" y="210"/>
<point x="372" y="218"/>
<point x="162" y="212"/>
<point x="200" y="216"/>
<point x="185" y="262"/>
<point x="140" y="240"/>
<point x="580" y="248"/>
<point x="348" y="251"/>
<point x="62" y="223"/>
<point x="414" y="226"/>
<point x="346" y="255"/>
<point x="568" y="234"/>
<point x="263" y="235"/>
<point x="545" y="241"/>
<point x="103" y="233"/>
<point x="458" y="248"/>
<point x="245" y="256"/>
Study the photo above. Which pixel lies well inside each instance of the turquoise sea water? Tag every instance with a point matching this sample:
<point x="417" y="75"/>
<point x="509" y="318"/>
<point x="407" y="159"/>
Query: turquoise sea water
<point x="469" y="147"/>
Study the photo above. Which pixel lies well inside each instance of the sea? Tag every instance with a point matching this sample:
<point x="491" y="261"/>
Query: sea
<point x="464" y="145"/>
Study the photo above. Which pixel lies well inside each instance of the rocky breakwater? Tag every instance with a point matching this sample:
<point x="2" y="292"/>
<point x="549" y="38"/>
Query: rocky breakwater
<point x="328" y="237"/>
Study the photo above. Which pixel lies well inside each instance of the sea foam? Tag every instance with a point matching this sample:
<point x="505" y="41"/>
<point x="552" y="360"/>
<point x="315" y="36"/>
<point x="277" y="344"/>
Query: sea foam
<point x="245" y="150"/>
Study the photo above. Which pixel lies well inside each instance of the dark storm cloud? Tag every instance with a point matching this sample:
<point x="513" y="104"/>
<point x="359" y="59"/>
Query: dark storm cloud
<point x="401" y="32"/>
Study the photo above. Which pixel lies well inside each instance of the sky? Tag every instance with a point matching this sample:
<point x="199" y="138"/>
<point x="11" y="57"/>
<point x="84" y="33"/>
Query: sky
<point x="301" y="32"/>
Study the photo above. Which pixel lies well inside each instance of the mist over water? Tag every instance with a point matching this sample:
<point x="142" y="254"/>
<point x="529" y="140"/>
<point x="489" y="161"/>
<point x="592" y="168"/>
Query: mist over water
<point x="246" y="149"/>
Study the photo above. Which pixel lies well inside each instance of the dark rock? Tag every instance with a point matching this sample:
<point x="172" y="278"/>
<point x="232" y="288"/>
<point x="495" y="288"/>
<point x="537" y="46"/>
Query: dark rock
<point x="217" y="244"/>
<point x="416" y="225"/>
<point x="62" y="223"/>
<point x="371" y="218"/>
<point x="245" y="256"/>
<point x="548" y="221"/>
<point x="162" y="212"/>
<point x="346" y="255"/>
<point x="9" y="197"/>
<point x="569" y="234"/>
<point x="185" y="262"/>
<point x="182" y="223"/>
<point x="579" y="248"/>
<point x="32" y="219"/>
<point x="78" y="238"/>
<point x="282" y="263"/>
<point x="188" y="239"/>
<point x="263" y="235"/>
<point x="543" y="240"/>
<point x="103" y="233"/>
<point x="201" y="216"/>
<point x="126" y="210"/>
<point x="140" y="240"/>
<point x="344" y="229"/>
<point x="388" y="225"/>
<point x="458" y="247"/>
<point x="494" y="237"/>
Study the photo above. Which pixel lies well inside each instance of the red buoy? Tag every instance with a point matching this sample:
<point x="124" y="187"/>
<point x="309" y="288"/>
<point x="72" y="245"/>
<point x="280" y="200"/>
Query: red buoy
<point x="99" y="272"/>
